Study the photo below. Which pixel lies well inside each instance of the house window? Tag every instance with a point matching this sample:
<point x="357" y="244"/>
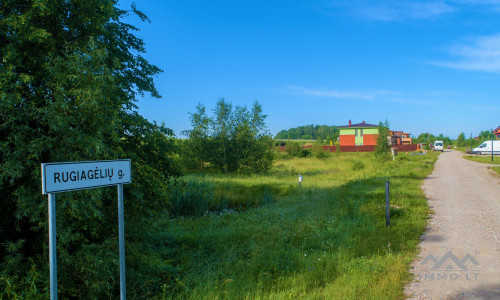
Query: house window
<point x="359" y="132"/>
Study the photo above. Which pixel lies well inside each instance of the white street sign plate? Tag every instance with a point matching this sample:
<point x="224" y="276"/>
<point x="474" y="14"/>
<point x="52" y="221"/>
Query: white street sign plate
<point x="70" y="176"/>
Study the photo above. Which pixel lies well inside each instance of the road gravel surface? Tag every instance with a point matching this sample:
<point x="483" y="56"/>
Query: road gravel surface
<point x="460" y="251"/>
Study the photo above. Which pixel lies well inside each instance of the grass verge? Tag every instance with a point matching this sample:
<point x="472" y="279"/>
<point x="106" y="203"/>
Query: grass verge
<point x="483" y="159"/>
<point x="496" y="169"/>
<point x="324" y="240"/>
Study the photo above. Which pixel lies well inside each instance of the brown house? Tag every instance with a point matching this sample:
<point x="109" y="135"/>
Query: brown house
<point x="400" y="138"/>
<point x="496" y="132"/>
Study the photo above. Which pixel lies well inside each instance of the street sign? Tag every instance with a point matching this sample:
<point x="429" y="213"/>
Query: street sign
<point x="70" y="176"/>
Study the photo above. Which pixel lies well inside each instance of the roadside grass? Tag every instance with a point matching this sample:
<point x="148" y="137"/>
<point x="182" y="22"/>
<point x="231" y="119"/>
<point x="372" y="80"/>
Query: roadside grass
<point x="496" y="169"/>
<point x="462" y="149"/>
<point x="324" y="240"/>
<point x="484" y="159"/>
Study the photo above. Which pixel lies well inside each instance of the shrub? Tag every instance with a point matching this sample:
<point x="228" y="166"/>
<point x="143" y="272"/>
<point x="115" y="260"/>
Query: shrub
<point x="293" y="149"/>
<point x="305" y="153"/>
<point x="234" y="140"/>
<point x="358" y="165"/>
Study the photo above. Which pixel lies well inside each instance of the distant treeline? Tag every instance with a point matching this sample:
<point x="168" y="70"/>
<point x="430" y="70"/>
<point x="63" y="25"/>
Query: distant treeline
<point x="461" y="141"/>
<point x="310" y="132"/>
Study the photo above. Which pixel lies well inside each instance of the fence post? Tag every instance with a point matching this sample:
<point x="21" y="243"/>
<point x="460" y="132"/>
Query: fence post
<point x="387" y="205"/>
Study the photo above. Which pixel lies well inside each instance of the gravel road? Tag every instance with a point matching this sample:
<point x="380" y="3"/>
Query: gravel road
<point x="460" y="252"/>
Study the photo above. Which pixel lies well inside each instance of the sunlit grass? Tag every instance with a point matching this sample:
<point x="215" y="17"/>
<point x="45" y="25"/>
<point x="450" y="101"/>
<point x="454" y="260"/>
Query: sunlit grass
<point x="496" y="169"/>
<point x="326" y="239"/>
<point x="483" y="158"/>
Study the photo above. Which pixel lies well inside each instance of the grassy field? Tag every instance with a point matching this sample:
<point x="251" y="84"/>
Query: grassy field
<point x="324" y="240"/>
<point x="484" y="158"/>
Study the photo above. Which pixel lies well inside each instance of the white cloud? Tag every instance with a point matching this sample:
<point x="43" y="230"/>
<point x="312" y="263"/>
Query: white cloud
<point x="485" y="108"/>
<point x="481" y="54"/>
<point x="390" y="10"/>
<point x="326" y="93"/>
<point x="375" y="95"/>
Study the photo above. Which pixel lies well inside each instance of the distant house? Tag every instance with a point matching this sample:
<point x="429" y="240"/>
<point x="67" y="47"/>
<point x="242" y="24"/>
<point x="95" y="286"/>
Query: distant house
<point x="395" y="137"/>
<point x="400" y="138"/>
<point x="496" y="132"/>
<point x="361" y="134"/>
<point x="406" y="139"/>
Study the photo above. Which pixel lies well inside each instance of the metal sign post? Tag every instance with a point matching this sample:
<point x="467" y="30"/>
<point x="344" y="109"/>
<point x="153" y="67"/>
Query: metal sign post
<point x="52" y="247"/>
<point x="71" y="176"/>
<point x="121" y="237"/>
<point x="492" y="148"/>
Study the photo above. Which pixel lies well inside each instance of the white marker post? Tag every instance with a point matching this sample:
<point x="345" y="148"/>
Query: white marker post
<point x="72" y="176"/>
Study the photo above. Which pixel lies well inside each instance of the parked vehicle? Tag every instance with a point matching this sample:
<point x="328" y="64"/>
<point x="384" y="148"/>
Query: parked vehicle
<point x="485" y="148"/>
<point x="439" y="146"/>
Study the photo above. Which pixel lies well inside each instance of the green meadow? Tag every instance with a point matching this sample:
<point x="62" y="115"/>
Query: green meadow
<point x="264" y="237"/>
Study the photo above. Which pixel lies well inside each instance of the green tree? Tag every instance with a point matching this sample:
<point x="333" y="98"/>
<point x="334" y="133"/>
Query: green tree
<point x="461" y="139"/>
<point x="222" y="126"/>
<point x="485" y="135"/>
<point x="69" y="74"/>
<point x="383" y="148"/>
<point x="197" y="148"/>
<point x="315" y="132"/>
<point x="238" y="142"/>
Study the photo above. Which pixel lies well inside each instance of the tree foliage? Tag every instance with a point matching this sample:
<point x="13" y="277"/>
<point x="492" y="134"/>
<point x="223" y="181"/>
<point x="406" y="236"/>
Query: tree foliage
<point x="461" y="139"/>
<point x="310" y="132"/>
<point x="429" y="139"/>
<point x="69" y="74"/>
<point x="485" y="135"/>
<point x="234" y="140"/>
<point x="383" y="148"/>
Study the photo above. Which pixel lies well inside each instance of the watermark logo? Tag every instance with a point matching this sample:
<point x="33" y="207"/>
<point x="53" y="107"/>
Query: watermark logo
<point x="450" y="267"/>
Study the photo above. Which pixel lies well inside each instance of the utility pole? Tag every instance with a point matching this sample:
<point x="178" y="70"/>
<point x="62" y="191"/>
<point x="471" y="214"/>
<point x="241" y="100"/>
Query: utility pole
<point x="492" y="135"/>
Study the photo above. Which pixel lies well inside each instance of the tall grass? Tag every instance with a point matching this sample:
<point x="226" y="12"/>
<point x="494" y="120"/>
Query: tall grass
<point x="324" y="240"/>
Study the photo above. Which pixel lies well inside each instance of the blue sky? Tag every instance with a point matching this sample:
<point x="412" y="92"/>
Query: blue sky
<point x="424" y="66"/>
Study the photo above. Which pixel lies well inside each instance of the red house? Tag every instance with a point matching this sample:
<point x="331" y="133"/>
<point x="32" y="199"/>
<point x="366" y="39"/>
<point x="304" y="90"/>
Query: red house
<point x="361" y="134"/>
<point x="496" y="132"/>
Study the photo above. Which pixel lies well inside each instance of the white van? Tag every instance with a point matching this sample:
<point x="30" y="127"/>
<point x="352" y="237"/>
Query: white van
<point x="485" y="148"/>
<point x="439" y="146"/>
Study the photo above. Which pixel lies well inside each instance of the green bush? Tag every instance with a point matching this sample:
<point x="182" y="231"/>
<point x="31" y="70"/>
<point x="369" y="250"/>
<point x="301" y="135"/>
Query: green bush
<point x="358" y="165"/>
<point x="304" y="153"/>
<point x="84" y="73"/>
<point x="234" y="140"/>
<point x="293" y="149"/>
